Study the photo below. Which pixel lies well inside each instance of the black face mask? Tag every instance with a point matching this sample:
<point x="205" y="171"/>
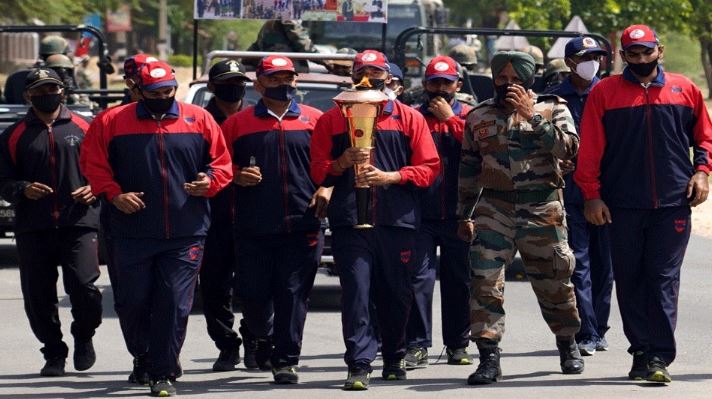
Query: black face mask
<point x="230" y="93"/>
<point x="281" y="92"/>
<point x="644" y="69"/>
<point x="500" y="92"/>
<point x="159" y="106"/>
<point x="46" y="102"/>
<point x="376" y="84"/>
<point x="445" y="95"/>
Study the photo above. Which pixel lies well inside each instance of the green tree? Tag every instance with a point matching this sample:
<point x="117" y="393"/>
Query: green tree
<point x="700" y="24"/>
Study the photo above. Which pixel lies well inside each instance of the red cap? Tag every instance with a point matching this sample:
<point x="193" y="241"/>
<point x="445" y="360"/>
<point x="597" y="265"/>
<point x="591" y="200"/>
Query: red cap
<point x="273" y="64"/>
<point x="134" y="63"/>
<point x="371" y="58"/>
<point x="155" y="75"/>
<point x="442" y="66"/>
<point x="639" y="35"/>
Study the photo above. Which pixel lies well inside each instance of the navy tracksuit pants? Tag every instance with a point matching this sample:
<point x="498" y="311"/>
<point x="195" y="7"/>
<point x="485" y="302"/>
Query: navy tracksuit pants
<point x="75" y="250"/>
<point x="648" y="247"/>
<point x="379" y="260"/>
<point x="217" y="277"/>
<point x="593" y="274"/>
<point x="154" y="283"/>
<point x="275" y="277"/>
<point x="454" y="286"/>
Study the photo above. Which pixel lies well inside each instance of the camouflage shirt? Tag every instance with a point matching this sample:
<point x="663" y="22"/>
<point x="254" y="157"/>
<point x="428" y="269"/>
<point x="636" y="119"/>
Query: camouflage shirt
<point x="283" y="36"/>
<point x="501" y="151"/>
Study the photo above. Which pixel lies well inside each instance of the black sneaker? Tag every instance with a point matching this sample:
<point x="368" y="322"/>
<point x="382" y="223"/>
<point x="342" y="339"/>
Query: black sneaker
<point x="570" y="357"/>
<point x="227" y="359"/>
<point x="84" y="355"/>
<point x="489" y="370"/>
<point x="640" y="367"/>
<point x="258" y="352"/>
<point x="416" y="358"/>
<point x="285" y="375"/>
<point x="263" y="353"/>
<point x="139" y="375"/>
<point x="250" y="353"/>
<point x="657" y="371"/>
<point x="54" y="367"/>
<point x="458" y="356"/>
<point x="393" y="371"/>
<point x="357" y="380"/>
<point x="162" y="387"/>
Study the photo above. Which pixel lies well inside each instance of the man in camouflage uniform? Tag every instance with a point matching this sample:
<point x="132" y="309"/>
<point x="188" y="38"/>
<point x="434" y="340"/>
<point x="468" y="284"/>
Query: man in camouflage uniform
<point x="465" y="55"/>
<point x="284" y="36"/>
<point x="511" y="152"/>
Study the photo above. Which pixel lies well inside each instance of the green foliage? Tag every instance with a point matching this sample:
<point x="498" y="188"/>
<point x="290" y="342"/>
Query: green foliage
<point x="245" y="31"/>
<point x="183" y="60"/>
<point x="51" y="12"/>
<point x="538" y="14"/>
<point x="682" y="56"/>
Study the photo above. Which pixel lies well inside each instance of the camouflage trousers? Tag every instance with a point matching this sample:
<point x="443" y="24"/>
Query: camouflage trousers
<point x="538" y="231"/>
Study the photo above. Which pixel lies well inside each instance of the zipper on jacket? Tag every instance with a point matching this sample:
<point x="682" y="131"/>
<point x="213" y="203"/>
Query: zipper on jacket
<point x="164" y="177"/>
<point x="442" y="171"/>
<point x="53" y="173"/>
<point x="651" y="153"/>
<point x="284" y="172"/>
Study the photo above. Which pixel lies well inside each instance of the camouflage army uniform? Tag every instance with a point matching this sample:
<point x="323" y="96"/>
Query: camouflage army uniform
<point x="521" y="208"/>
<point x="283" y="36"/>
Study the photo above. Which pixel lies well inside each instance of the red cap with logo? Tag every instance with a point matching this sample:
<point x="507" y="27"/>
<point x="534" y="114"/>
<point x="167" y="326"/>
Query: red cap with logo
<point x="442" y="66"/>
<point x="134" y="63"/>
<point x="155" y="75"/>
<point x="273" y="64"/>
<point x="639" y="35"/>
<point x="371" y="58"/>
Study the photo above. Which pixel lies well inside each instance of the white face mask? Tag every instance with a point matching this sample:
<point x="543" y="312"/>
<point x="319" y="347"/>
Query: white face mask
<point x="390" y="93"/>
<point x="587" y="70"/>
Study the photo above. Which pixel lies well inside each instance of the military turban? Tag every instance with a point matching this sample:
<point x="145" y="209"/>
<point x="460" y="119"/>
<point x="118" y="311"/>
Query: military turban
<point x="522" y="63"/>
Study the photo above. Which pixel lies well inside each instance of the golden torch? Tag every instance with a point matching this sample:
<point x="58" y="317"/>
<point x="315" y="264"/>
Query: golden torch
<point x="361" y="107"/>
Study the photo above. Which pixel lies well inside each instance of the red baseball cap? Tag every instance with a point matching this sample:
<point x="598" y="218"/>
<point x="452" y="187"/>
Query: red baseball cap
<point x="639" y="35"/>
<point x="134" y="63"/>
<point x="442" y="66"/>
<point x="371" y="58"/>
<point x="155" y="75"/>
<point x="273" y="64"/>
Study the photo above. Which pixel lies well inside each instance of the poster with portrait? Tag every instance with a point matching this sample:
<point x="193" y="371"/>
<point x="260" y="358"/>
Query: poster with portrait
<point x="307" y="10"/>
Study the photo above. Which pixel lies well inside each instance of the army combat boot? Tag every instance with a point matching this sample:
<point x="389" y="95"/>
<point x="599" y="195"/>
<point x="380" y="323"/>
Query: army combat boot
<point x="489" y="370"/>
<point x="571" y="360"/>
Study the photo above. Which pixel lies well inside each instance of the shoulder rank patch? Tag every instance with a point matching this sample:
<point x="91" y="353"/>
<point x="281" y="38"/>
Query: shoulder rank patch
<point x="550" y="97"/>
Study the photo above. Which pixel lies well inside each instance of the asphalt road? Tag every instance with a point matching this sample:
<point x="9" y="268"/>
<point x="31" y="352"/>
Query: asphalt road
<point x="530" y="361"/>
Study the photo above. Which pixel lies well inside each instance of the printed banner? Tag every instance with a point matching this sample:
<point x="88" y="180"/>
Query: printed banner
<point x="307" y="10"/>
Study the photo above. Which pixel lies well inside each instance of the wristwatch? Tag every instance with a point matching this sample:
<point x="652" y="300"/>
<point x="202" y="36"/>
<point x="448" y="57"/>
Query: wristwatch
<point x="535" y="120"/>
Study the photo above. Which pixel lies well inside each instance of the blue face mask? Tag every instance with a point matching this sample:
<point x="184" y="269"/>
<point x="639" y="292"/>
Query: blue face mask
<point x="281" y="92"/>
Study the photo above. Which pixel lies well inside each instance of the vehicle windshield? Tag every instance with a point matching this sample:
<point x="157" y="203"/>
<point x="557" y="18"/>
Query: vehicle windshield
<point x="363" y="35"/>
<point x="315" y="95"/>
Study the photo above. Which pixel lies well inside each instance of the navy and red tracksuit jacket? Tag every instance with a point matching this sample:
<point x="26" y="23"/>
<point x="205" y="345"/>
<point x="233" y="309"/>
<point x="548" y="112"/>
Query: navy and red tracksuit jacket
<point x="280" y="202"/>
<point x="440" y="199"/>
<point x="31" y="151"/>
<point x="128" y="150"/>
<point x="403" y="143"/>
<point x="635" y="141"/>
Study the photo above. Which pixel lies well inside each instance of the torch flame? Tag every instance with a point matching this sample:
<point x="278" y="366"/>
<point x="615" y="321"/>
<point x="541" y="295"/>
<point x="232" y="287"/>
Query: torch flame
<point x="364" y="83"/>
